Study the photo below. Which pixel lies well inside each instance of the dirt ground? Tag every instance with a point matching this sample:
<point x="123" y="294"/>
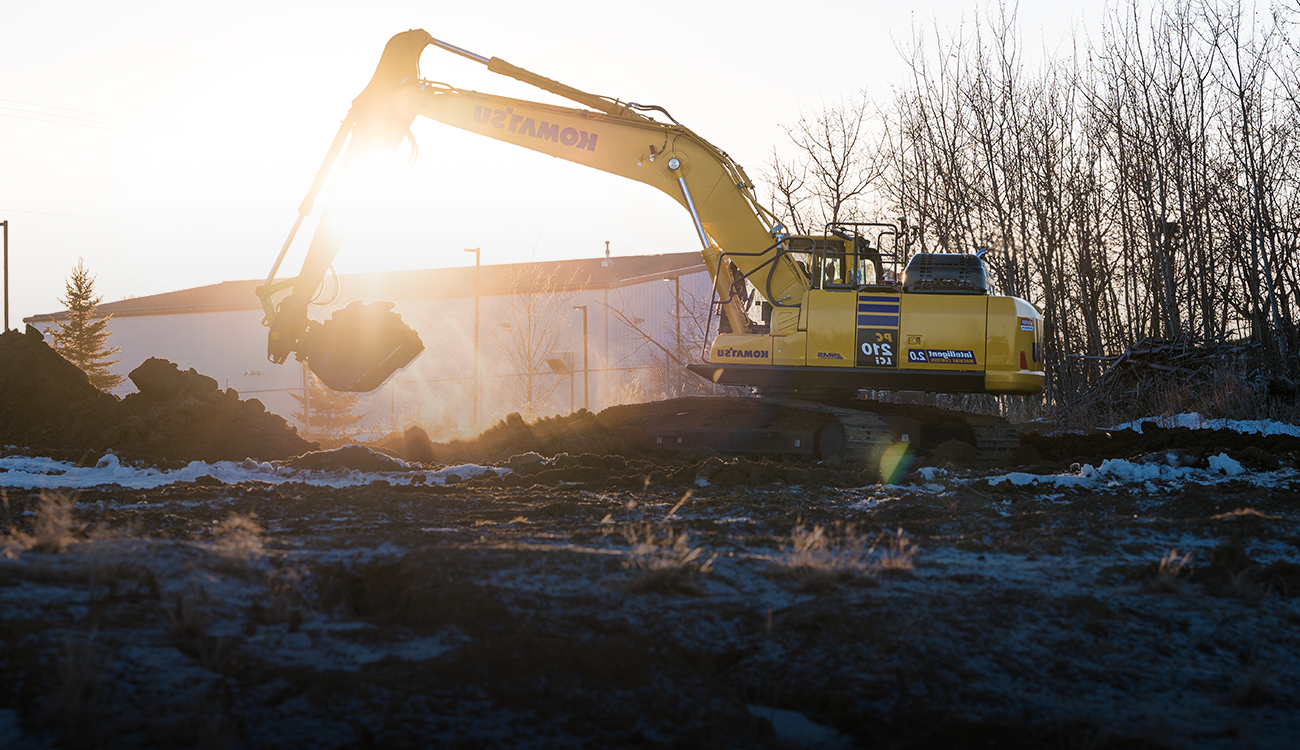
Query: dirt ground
<point x="542" y="586"/>
<point x="608" y="601"/>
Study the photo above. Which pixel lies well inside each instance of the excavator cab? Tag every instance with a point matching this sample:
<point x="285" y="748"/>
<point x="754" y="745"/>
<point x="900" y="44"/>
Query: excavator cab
<point x="846" y="260"/>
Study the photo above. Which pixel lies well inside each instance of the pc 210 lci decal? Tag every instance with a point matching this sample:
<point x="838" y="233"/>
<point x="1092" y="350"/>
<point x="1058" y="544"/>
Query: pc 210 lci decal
<point x="877" y="347"/>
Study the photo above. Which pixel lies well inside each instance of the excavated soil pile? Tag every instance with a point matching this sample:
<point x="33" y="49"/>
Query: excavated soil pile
<point x="185" y="416"/>
<point x="46" y="402"/>
<point x="577" y="451"/>
<point x="576" y="433"/>
<point x="1255" y="451"/>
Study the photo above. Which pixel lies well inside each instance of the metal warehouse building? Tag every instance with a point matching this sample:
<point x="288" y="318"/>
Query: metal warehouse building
<point x="552" y="336"/>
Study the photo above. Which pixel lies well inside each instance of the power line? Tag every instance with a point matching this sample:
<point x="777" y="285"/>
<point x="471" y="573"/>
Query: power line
<point x="185" y="137"/>
<point x="103" y="114"/>
<point x="99" y="218"/>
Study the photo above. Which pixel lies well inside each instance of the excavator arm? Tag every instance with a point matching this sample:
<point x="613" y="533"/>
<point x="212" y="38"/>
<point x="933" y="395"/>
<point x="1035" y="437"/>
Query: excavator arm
<point x="607" y="134"/>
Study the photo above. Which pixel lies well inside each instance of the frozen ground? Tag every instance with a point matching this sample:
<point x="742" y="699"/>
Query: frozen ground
<point x="1141" y="600"/>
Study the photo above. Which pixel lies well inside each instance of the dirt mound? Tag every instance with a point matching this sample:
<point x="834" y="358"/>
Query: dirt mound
<point x="575" y="433"/>
<point x="183" y="415"/>
<point x="347" y="458"/>
<point x="44" y="399"/>
<point x="1257" y="451"/>
<point x="46" y="402"/>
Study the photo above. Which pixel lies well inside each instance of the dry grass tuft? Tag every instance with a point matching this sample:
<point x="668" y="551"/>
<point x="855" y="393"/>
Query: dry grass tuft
<point x="668" y="561"/>
<point x="1173" y="568"/>
<point x="897" y="555"/>
<point x="819" y="558"/>
<point x="53" y="531"/>
<point x="73" y="707"/>
<point x="284" y="603"/>
<point x="185" y="617"/>
<point x="239" y="539"/>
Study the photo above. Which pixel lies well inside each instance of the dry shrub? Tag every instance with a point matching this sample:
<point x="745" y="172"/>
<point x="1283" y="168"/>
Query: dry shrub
<point x="284" y="601"/>
<point x="185" y="617"/>
<point x="1256" y="690"/>
<point x="668" y="561"/>
<point x="1223" y="392"/>
<point x="73" y="707"/>
<point x="1246" y="587"/>
<point x="1169" y="575"/>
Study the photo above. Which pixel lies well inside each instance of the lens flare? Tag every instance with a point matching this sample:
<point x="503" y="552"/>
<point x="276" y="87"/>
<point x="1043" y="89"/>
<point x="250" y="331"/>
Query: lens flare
<point x="895" y="462"/>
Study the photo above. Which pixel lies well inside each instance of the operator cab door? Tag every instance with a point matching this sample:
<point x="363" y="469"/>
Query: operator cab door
<point x="853" y="317"/>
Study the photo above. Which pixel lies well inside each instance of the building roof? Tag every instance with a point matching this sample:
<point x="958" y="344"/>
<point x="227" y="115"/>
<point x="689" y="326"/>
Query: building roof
<point x="432" y="283"/>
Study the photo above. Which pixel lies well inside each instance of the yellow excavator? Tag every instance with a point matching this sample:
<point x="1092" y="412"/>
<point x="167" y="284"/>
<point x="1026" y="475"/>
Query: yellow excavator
<point x="834" y="316"/>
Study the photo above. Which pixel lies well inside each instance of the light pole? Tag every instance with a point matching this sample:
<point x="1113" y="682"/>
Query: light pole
<point x="677" y="316"/>
<point x="5" y="224"/>
<point x="478" y="378"/>
<point x="586" y="403"/>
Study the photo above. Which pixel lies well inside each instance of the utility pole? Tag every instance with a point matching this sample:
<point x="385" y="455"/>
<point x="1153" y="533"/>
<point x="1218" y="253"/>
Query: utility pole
<point x="677" y="316"/>
<point x="478" y="377"/>
<point x="306" y="399"/>
<point x="5" y="224"/>
<point x="586" y="403"/>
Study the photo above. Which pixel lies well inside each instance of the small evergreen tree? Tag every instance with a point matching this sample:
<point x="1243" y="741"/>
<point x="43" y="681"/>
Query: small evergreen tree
<point x="83" y="338"/>
<point x="331" y="412"/>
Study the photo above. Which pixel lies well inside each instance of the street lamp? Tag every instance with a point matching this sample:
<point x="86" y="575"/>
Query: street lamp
<point x="586" y="403"/>
<point x="5" y="224"/>
<point x="478" y="378"/>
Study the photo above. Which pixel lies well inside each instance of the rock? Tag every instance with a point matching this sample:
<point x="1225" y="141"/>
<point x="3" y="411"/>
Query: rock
<point x="526" y="463"/>
<point x="709" y="470"/>
<point x="1259" y="458"/>
<point x="957" y="454"/>
<point x="347" y="458"/>
<point x="416" y="445"/>
<point x="158" y="378"/>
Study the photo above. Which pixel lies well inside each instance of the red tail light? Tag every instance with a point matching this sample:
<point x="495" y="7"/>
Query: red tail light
<point x="1024" y="365"/>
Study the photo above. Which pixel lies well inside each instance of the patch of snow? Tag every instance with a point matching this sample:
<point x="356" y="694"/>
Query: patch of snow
<point x="793" y="728"/>
<point x="30" y="473"/>
<point x="464" y="471"/>
<point x="1223" y="465"/>
<point x="1195" y="421"/>
<point x="1151" y="477"/>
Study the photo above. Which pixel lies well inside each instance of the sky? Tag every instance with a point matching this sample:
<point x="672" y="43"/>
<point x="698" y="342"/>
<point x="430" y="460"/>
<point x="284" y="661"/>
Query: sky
<point x="168" y="145"/>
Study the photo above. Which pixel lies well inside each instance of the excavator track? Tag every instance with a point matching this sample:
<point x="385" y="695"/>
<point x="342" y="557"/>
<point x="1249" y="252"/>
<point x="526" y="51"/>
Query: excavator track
<point x="927" y="427"/>
<point x="777" y="426"/>
<point x="770" y="427"/>
<point x="995" y="439"/>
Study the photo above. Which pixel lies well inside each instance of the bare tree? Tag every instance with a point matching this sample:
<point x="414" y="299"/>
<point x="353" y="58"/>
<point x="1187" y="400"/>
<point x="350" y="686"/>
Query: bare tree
<point x="663" y="347"/>
<point x="530" y="329"/>
<point x="833" y="168"/>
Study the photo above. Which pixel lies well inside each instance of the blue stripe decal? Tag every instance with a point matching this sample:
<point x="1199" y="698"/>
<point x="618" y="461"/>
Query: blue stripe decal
<point x="864" y="307"/>
<point x="878" y="321"/>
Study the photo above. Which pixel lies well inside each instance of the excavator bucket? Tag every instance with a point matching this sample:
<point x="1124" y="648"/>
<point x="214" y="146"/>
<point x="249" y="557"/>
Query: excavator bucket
<point x="360" y="346"/>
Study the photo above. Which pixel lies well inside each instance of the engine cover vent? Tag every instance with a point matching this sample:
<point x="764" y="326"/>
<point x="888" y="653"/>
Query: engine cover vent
<point x="948" y="273"/>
